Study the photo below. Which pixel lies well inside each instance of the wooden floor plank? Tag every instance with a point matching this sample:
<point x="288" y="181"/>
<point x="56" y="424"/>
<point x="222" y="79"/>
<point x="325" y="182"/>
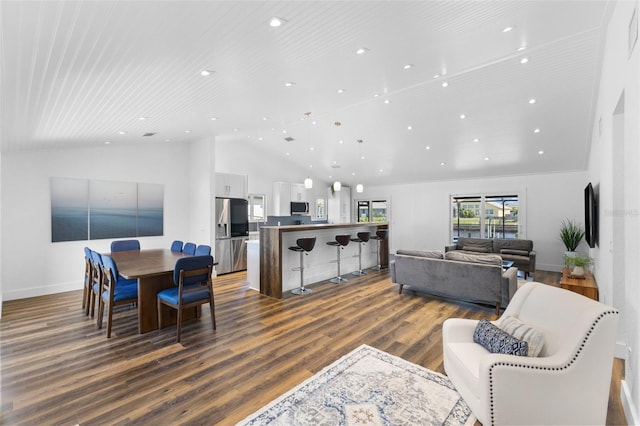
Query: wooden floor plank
<point x="58" y="368"/>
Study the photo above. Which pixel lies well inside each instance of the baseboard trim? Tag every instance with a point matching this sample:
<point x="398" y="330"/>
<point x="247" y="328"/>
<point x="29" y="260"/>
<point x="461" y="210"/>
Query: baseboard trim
<point x="24" y="293"/>
<point x="630" y="410"/>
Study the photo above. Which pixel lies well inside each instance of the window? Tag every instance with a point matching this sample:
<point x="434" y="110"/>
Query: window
<point x="500" y="219"/>
<point x="379" y="212"/>
<point x="257" y="207"/>
<point x="320" y="209"/>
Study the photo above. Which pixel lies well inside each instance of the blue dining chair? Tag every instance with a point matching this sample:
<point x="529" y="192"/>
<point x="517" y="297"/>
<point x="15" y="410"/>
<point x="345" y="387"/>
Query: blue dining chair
<point x="115" y="291"/>
<point x="96" y="282"/>
<point x="176" y="246"/>
<point x="203" y="250"/>
<point x="193" y="287"/>
<point x="125" y="245"/>
<point x="88" y="275"/>
<point x="189" y="248"/>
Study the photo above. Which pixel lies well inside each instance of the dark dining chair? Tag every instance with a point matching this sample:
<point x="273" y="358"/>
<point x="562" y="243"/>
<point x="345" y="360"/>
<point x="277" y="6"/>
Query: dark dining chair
<point x="189" y="248"/>
<point x="203" y="250"/>
<point x="176" y="246"/>
<point x="125" y="245"/>
<point x="193" y="287"/>
<point x="114" y="291"/>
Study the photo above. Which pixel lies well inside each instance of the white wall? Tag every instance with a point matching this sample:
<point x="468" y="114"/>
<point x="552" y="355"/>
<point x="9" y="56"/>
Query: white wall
<point x="419" y="213"/>
<point x="262" y="168"/>
<point x="35" y="265"/>
<point x="613" y="167"/>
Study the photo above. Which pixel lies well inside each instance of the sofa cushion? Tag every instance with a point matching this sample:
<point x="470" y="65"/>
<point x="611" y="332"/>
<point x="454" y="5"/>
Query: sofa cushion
<point x="431" y="254"/>
<point x="496" y="340"/>
<point x="477" y="249"/>
<point x="514" y="252"/>
<point x="522" y="331"/>
<point x="487" y="259"/>
<point x="476" y="242"/>
<point x="500" y="244"/>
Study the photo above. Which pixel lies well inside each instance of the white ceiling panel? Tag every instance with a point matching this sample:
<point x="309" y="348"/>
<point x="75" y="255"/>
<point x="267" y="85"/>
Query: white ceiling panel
<point x="82" y="73"/>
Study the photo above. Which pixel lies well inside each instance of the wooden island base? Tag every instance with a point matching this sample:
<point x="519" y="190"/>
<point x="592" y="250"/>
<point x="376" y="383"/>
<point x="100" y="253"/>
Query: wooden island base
<point x="277" y="261"/>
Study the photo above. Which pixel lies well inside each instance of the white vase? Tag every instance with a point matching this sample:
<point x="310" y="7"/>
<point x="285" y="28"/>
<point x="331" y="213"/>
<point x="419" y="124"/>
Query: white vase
<point x="569" y="254"/>
<point x="578" y="271"/>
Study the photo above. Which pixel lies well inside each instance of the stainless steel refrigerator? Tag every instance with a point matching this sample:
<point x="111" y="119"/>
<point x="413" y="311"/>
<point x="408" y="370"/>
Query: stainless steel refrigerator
<point x="232" y="233"/>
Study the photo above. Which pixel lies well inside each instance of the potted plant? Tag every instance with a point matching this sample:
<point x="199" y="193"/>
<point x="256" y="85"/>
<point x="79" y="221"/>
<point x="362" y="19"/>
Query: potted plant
<point x="571" y="234"/>
<point x="579" y="262"/>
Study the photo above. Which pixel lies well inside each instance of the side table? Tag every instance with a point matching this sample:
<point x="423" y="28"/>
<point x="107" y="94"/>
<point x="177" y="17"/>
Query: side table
<point x="586" y="286"/>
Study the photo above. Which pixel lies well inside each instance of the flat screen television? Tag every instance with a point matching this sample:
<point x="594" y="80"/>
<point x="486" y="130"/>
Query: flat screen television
<point x="590" y="216"/>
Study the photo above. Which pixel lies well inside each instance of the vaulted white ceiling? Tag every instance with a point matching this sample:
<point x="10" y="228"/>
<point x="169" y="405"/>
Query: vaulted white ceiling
<point x="85" y="73"/>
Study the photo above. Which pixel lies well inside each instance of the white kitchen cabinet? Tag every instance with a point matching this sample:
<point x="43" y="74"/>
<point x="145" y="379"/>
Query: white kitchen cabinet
<point x="298" y="192"/>
<point x="339" y="205"/>
<point x="281" y="204"/>
<point x="231" y="186"/>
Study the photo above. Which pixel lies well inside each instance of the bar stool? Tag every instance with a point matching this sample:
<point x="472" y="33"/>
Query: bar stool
<point x="304" y="245"/>
<point x="339" y="243"/>
<point x="363" y="237"/>
<point x="381" y="234"/>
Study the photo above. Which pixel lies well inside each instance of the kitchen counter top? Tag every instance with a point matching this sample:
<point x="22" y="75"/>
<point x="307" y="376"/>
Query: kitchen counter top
<point x="312" y="226"/>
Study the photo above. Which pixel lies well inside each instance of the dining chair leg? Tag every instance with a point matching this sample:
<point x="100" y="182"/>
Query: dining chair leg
<point x="213" y="314"/>
<point x="109" y="320"/>
<point x="100" y="313"/>
<point x="159" y="315"/>
<point x="179" y="320"/>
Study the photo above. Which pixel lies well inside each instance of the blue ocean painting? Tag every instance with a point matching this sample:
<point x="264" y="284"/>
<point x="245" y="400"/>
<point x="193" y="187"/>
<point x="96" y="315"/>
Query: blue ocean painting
<point x="69" y="224"/>
<point x="112" y="223"/>
<point x="150" y="209"/>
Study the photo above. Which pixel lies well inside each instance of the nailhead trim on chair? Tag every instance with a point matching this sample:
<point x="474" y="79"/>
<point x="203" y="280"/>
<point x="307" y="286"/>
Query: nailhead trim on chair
<point x="564" y="367"/>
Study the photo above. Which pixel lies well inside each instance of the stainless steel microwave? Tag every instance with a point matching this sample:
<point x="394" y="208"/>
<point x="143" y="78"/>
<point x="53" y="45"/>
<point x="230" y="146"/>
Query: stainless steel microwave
<point x="299" y="207"/>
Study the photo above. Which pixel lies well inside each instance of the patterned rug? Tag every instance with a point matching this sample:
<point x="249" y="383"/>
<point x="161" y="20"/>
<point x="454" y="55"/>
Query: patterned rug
<point x="368" y="387"/>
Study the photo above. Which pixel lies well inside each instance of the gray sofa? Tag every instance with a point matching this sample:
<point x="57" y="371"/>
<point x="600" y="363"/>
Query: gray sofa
<point x="519" y="251"/>
<point x="458" y="275"/>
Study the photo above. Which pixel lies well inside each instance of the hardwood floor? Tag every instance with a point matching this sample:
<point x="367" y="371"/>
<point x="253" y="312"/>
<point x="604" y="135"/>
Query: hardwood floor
<point x="57" y="368"/>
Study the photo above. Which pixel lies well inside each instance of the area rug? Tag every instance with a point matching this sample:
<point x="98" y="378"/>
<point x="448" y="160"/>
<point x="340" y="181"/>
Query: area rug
<point x="368" y="387"/>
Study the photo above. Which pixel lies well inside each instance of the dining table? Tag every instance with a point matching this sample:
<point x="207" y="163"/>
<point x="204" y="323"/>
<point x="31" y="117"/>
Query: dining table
<point x="153" y="269"/>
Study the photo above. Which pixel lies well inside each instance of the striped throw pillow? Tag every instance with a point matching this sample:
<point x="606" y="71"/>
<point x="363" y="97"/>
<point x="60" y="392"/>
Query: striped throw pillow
<point x="522" y="331"/>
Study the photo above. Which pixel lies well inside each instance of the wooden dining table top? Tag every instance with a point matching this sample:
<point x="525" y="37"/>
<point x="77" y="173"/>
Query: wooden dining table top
<point x="145" y="263"/>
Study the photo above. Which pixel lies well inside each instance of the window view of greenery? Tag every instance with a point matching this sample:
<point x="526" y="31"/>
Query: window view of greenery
<point x="257" y="210"/>
<point x="494" y="216"/>
<point x="379" y="211"/>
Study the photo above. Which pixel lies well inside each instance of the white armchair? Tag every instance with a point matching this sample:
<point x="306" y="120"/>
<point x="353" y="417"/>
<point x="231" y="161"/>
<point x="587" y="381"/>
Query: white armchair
<point x="568" y="383"/>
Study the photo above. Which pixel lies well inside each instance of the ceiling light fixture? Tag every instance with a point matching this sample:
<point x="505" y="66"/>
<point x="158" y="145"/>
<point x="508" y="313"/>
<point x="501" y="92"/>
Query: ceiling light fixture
<point x="463" y="116"/>
<point x="540" y="152"/>
<point x="361" y="51"/>
<point x="536" y="130"/>
<point x="476" y="140"/>
<point x="289" y="84"/>
<point x="407" y="66"/>
<point x="107" y="142"/>
<point x="427" y="148"/>
<point x="337" y="186"/>
<point x="524" y="60"/>
<point x="360" y="187"/>
<point x="387" y="101"/>
<point x="206" y="73"/>
<point x="442" y="163"/>
<point x="507" y="29"/>
<point x="122" y="132"/>
<point x="409" y="127"/>
<point x="276" y="22"/>
<point x="436" y="76"/>
<point x="521" y="48"/>
<point x="532" y="101"/>
<point x="214" y="118"/>
<point x="445" y="84"/>
<point x="341" y="90"/>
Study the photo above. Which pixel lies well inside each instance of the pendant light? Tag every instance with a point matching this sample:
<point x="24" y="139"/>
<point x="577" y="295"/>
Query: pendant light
<point x="360" y="187"/>
<point x="308" y="182"/>
<point x="337" y="186"/>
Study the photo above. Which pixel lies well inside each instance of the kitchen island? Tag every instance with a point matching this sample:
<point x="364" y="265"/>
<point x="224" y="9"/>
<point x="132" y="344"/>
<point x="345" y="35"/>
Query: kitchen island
<point x="277" y="261"/>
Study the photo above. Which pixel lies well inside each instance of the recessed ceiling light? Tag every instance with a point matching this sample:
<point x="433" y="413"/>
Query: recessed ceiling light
<point x="427" y="148"/>
<point x="532" y="101"/>
<point x="312" y="149"/>
<point x="380" y="170"/>
<point x="387" y="101"/>
<point x="340" y="90"/>
<point x="107" y="142"/>
<point x="436" y="76"/>
<point x="314" y="122"/>
<point x="540" y="152"/>
<point x="536" y="130"/>
<point x="463" y="116"/>
<point x="187" y="131"/>
<point x="284" y="131"/>
<point x="445" y="84"/>
<point x="206" y="73"/>
<point x="521" y="48"/>
<point x="265" y="118"/>
<point x="486" y="158"/>
<point x="341" y="141"/>
<point x="524" y="60"/>
<point x="362" y="50"/>
<point x="289" y="84"/>
<point x="443" y="163"/>
<point x="276" y="22"/>
<point x="476" y="140"/>
<point x="362" y="158"/>
<point x="142" y="118"/>
<point x="122" y="132"/>
<point x="214" y="118"/>
<point x="507" y="29"/>
<point x="236" y="129"/>
<point x="260" y="138"/>
<point x="377" y="95"/>
<point x="353" y="173"/>
<point x="407" y="66"/>
<point x="409" y="127"/>
<point x="287" y="154"/>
